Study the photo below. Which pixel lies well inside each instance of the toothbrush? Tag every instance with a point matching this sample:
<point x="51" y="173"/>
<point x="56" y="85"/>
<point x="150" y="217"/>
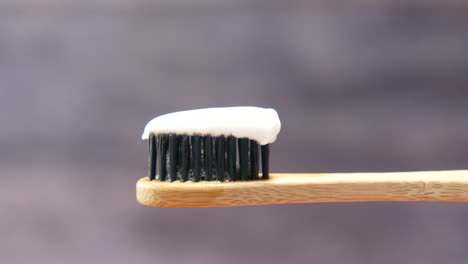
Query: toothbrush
<point x="198" y="167"/>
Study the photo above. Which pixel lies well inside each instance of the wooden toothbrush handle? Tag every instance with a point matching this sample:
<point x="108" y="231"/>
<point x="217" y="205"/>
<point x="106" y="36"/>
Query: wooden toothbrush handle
<point x="282" y="188"/>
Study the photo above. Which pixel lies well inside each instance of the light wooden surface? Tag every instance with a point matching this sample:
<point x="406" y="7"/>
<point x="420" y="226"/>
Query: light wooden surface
<point x="429" y="186"/>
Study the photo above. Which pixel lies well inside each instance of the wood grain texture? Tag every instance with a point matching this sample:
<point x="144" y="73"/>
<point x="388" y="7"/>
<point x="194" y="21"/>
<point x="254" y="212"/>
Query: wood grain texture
<point x="429" y="186"/>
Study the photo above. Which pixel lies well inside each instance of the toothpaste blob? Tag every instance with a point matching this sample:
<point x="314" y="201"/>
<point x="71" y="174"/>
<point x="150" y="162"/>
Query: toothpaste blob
<point x="255" y="123"/>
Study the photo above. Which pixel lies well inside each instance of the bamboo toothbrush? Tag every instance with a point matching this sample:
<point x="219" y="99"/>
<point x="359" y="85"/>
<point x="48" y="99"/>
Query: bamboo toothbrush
<point x="198" y="167"/>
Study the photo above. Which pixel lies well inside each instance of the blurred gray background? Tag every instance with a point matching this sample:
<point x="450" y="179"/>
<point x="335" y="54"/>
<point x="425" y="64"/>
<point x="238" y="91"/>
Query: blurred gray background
<point x="359" y="86"/>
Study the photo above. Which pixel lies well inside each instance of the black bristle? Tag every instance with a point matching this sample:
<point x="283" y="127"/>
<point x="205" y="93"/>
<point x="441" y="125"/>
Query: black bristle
<point x="232" y="153"/>
<point x="216" y="143"/>
<point x="179" y="152"/>
<point x="244" y="158"/>
<point x="220" y="157"/>
<point x="185" y="157"/>
<point x="253" y="160"/>
<point x="152" y="157"/>
<point x="196" y="148"/>
<point x="195" y="158"/>
<point x="173" y="151"/>
<point x="265" y="161"/>
<point x="162" y="157"/>
<point x="208" y="152"/>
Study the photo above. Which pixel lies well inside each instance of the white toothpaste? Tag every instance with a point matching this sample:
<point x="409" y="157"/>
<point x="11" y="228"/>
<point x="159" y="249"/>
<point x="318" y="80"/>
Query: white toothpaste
<point x="255" y="123"/>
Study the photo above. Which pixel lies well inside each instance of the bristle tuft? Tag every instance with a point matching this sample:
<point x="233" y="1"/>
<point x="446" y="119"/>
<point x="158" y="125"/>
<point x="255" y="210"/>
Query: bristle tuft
<point x="231" y="155"/>
<point x="162" y="157"/>
<point x="208" y="157"/>
<point x="253" y="160"/>
<point x="265" y="161"/>
<point x="220" y="157"/>
<point x="185" y="149"/>
<point x="244" y="158"/>
<point x="152" y="157"/>
<point x="196" y="149"/>
<point x="173" y="151"/>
